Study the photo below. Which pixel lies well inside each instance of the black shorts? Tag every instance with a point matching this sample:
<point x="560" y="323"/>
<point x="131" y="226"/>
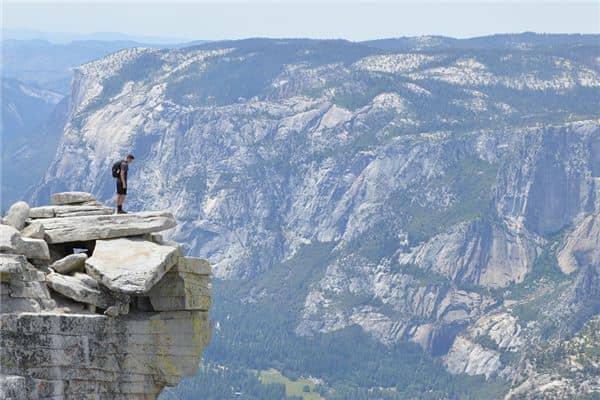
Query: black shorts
<point x="120" y="188"/>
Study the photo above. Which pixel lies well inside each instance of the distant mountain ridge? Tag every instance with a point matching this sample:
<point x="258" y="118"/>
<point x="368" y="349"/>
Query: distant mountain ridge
<point x="508" y="41"/>
<point x="66" y="37"/>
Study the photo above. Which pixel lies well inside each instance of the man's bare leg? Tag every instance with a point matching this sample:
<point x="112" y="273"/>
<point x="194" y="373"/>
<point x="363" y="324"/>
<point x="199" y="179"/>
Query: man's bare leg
<point x="119" y="201"/>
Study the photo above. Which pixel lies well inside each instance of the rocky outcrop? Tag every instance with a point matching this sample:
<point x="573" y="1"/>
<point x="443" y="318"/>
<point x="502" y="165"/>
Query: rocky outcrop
<point x="472" y="359"/>
<point x="478" y="350"/>
<point x="134" y="322"/>
<point x="477" y="252"/>
<point x="582" y="245"/>
<point x="355" y="291"/>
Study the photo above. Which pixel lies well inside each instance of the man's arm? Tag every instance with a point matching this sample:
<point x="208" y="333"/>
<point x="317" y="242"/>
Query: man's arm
<point x="123" y="182"/>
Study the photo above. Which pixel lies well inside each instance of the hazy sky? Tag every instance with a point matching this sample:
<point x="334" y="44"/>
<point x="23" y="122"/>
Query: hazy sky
<point x="332" y="19"/>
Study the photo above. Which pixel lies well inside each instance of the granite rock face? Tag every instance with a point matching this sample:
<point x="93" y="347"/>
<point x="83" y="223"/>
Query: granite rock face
<point x="460" y="254"/>
<point x="17" y="214"/>
<point x="77" y="289"/>
<point x="187" y="286"/>
<point x="66" y="334"/>
<point x="93" y="227"/>
<point x="582" y="246"/>
<point x="33" y="231"/>
<point x="69" y="211"/>
<point x="71" y="198"/>
<point x="130" y="265"/>
<point x="70" y="263"/>
<point x="478" y="350"/>
<point x="11" y="241"/>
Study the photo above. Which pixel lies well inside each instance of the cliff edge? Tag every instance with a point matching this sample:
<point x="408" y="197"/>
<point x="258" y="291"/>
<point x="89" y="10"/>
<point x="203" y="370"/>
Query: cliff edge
<point x="96" y="305"/>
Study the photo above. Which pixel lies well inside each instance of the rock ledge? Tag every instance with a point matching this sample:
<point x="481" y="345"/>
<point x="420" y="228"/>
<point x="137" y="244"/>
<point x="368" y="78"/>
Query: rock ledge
<point x="134" y="322"/>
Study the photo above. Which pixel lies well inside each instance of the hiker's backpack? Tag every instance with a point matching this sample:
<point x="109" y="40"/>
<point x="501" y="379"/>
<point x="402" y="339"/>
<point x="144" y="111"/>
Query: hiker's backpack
<point x="116" y="169"/>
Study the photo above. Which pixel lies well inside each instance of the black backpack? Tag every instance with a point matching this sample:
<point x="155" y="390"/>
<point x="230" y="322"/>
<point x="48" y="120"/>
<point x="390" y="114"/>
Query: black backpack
<point x="116" y="169"/>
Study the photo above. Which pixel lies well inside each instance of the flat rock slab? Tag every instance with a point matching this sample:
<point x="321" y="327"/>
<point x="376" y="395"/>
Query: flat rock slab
<point x="77" y="289"/>
<point x="94" y="227"/>
<point x="130" y="265"/>
<point x="71" y="198"/>
<point x="69" y="211"/>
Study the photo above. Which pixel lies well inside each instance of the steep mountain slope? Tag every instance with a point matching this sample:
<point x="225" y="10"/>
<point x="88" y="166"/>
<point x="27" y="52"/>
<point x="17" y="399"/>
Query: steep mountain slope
<point x="412" y="194"/>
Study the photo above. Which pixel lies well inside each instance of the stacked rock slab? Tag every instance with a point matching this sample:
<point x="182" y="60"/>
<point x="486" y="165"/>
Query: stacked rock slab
<point x="101" y="308"/>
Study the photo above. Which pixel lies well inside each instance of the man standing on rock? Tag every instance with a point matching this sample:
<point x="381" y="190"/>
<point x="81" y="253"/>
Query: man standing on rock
<point x="119" y="171"/>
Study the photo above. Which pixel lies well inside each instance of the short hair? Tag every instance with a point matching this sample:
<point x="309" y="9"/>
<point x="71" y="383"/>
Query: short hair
<point x="130" y="156"/>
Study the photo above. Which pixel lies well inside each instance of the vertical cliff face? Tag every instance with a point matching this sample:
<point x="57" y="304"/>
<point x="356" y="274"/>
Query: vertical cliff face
<point x="96" y="305"/>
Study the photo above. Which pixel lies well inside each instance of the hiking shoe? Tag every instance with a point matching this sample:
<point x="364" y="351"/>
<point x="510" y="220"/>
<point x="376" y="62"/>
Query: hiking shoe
<point x="121" y="212"/>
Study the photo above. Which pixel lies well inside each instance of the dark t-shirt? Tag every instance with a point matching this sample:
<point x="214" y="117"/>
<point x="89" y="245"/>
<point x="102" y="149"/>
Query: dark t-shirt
<point x="124" y="169"/>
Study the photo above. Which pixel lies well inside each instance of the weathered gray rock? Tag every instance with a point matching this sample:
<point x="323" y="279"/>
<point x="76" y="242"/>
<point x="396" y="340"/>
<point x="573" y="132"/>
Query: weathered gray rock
<point x="467" y="357"/>
<point x="42" y="212"/>
<point x="582" y="246"/>
<point x="16" y="387"/>
<point x="56" y="344"/>
<point x="17" y="214"/>
<point x="477" y="252"/>
<point x="159" y="238"/>
<point x="17" y="266"/>
<point x="78" y="290"/>
<point x="194" y="265"/>
<point x="111" y="311"/>
<point x="69" y="210"/>
<point x="71" y="198"/>
<point x="130" y="265"/>
<point x="185" y="287"/>
<point x="22" y="287"/>
<point x="11" y="265"/>
<point x="88" y="280"/>
<point x="72" y="229"/>
<point x="12" y="242"/>
<point x="33" y="231"/>
<point x="36" y="249"/>
<point x="70" y="263"/>
<point x="79" y="356"/>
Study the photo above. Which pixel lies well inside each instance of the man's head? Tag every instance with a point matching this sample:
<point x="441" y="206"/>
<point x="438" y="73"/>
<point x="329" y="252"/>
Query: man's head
<point x="129" y="158"/>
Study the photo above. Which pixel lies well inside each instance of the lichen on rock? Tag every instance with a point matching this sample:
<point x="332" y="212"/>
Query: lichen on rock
<point x="125" y="329"/>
